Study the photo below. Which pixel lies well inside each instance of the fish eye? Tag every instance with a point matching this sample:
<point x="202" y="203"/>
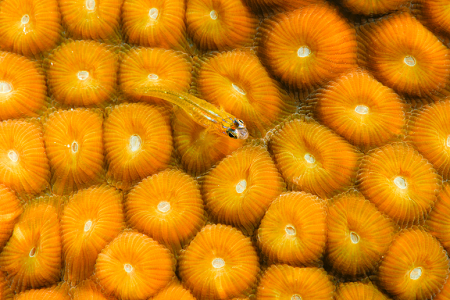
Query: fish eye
<point x="238" y="123"/>
<point x="231" y="134"/>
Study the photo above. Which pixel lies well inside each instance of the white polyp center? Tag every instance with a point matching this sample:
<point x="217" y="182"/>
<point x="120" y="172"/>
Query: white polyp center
<point x="303" y="51"/>
<point x="13" y="156"/>
<point x="213" y="14"/>
<point x="238" y="89"/>
<point x="90" y="4"/>
<point x="409" y="61"/>
<point x="25" y="19"/>
<point x="74" y="147"/>
<point x="296" y="297"/>
<point x="5" y="87"/>
<point x="87" y="226"/>
<point x="83" y="75"/>
<point x="218" y="263"/>
<point x="135" y="142"/>
<point x="163" y="206"/>
<point x="290" y="229"/>
<point x="415" y="273"/>
<point x="354" y="237"/>
<point x="241" y="186"/>
<point x="400" y="182"/>
<point x="128" y="268"/>
<point x="32" y="252"/>
<point x="362" y="109"/>
<point x="153" y="13"/>
<point x="152" y="76"/>
<point x="310" y="158"/>
<point x="448" y="141"/>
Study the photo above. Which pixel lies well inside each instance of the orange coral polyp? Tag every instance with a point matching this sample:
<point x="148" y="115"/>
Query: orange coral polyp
<point x="219" y="263"/>
<point x="404" y="55"/>
<point x="313" y="159"/>
<point x="22" y="87"/>
<point x="29" y="27"/>
<point x="307" y="47"/>
<point x="174" y="291"/>
<point x="287" y="282"/>
<point x="415" y="267"/>
<point x="154" y="67"/>
<point x="88" y="290"/>
<point x="138" y="142"/>
<point x="400" y="182"/>
<point x="358" y="235"/>
<point x="198" y="147"/>
<point x="220" y="24"/>
<point x="82" y="73"/>
<point x="9" y="214"/>
<point x="444" y="294"/>
<point x="74" y="149"/>
<point x="53" y="293"/>
<point x="436" y="14"/>
<point x="359" y="290"/>
<point x="91" y="219"/>
<point x="32" y="256"/>
<point x="370" y="7"/>
<point x="429" y="131"/>
<point x="91" y="19"/>
<point x="23" y="161"/>
<point x="237" y="82"/>
<point x="241" y="187"/>
<point x="167" y="207"/>
<point x="361" y="109"/>
<point x="134" y="266"/>
<point x="268" y="7"/>
<point x="294" y="230"/>
<point x="438" y="223"/>
<point x="5" y="291"/>
<point x="154" y="23"/>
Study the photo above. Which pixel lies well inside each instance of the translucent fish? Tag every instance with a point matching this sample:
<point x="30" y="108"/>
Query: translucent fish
<point x="203" y="112"/>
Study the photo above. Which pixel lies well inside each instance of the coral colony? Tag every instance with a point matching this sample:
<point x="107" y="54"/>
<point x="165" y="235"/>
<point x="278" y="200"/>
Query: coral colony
<point x="224" y="149"/>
